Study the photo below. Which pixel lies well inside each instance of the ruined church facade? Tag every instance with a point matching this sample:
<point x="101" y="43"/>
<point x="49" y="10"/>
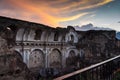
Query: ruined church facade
<point x="46" y="48"/>
<point x="41" y="46"/>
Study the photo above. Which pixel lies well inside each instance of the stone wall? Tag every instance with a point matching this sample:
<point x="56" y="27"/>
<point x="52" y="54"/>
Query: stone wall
<point x="98" y="45"/>
<point x="11" y="62"/>
<point x="41" y="46"/>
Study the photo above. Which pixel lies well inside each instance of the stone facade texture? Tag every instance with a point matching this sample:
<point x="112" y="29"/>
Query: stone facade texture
<point x="42" y="46"/>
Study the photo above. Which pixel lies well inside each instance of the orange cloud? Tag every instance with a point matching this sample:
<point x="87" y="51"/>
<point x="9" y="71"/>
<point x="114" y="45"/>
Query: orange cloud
<point x="48" y="12"/>
<point x="46" y="18"/>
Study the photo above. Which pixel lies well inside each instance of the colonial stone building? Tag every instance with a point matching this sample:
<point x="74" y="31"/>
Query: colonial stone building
<point x="42" y="46"/>
<point x="46" y="48"/>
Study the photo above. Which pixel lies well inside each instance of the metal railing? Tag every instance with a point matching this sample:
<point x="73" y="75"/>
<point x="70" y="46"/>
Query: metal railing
<point x="105" y="70"/>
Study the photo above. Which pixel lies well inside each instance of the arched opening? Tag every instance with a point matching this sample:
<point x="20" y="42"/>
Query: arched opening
<point x="18" y="55"/>
<point x="71" y="59"/>
<point x="56" y="36"/>
<point x="72" y="54"/>
<point x="38" y="34"/>
<point x="71" y="38"/>
<point x="36" y="59"/>
<point x="55" y="59"/>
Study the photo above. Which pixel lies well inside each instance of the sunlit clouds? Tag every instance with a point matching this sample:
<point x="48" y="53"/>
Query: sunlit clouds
<point x="49" y="12"/>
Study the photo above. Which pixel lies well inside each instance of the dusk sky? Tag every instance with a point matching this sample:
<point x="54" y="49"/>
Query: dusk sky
<point x="101" y="13"/>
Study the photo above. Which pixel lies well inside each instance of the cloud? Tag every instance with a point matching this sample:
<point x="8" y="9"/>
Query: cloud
<point x="86" y="22"/>
<point x="73" y="17"/>
<point x="87" y="4"/>
<point x="89" y="27"/>
<point x="50" y="12"/>
<point x="93" y="15"/>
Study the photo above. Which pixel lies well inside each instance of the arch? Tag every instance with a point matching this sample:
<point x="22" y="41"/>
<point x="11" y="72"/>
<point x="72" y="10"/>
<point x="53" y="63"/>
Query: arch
<point x="55" y="59"/>
<point x="71" y="59"/>
<point x="82" y="53"/>
<point x="18" y="55"/>
<point x="38" y="34"/>
<point x="36" y="59"/>
<point x="71" y="38"/>
<point x="56" y="36"/>
<point x="71" y="53"/>
<point x="70" y="28"/>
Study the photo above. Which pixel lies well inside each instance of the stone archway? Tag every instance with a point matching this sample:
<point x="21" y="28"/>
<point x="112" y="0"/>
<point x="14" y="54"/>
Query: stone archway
<point x="18" y="55"/>
<point x="55" y="59"/>
<point x="71" y="59"/>
<point x="71" y="38"/>
<point x="71" y="54"/>
<point x="36" y="59"/>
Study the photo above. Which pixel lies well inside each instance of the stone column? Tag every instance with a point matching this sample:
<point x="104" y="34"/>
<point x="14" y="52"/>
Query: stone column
<point x="63" y="58"/>
<point x="26" y="56"/>
<point x="46" y="58"/>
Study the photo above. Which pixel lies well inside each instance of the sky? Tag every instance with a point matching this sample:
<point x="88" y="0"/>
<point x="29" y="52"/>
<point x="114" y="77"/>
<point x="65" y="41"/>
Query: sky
<point x="61" y="13"/>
